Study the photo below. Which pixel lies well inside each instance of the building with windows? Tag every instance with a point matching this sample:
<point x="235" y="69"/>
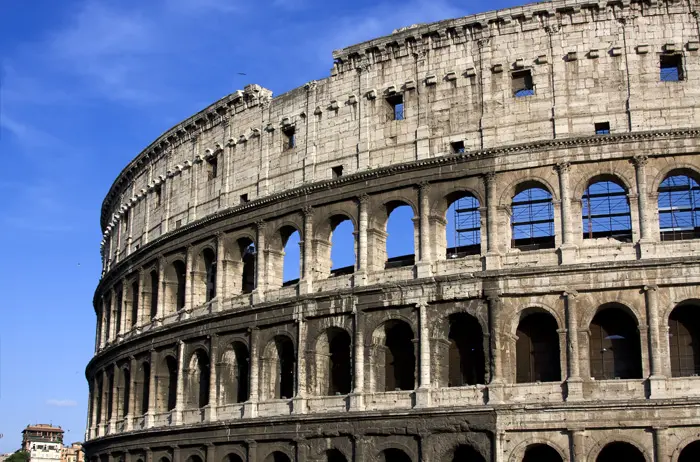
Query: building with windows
<point x="72" y="453"/>
<point x="543" y="163"/>
<point x="43" y="442"/>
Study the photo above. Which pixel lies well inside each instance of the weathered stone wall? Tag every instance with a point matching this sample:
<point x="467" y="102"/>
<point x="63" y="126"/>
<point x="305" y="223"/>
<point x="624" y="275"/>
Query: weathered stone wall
<point x="196" y="364"/>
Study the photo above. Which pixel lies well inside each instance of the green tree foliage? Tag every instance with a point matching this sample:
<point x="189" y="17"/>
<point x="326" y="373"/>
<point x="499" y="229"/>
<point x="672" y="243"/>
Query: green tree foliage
<point x="19" y="456"/>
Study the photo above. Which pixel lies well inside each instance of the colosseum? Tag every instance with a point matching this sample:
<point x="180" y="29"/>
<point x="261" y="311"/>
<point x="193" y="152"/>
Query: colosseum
<point x="545" y="158"/>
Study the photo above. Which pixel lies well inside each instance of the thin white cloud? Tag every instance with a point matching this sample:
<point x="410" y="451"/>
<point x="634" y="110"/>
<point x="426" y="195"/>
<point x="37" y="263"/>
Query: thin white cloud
<point x="61" y="402"/>
<point x="27" y="135"/>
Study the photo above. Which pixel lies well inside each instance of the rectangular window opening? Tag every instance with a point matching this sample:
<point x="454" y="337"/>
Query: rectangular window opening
<point x="457" y="147"/>
<point x="212" y="168"/>
<point x="337" y="171"/>
<point x="178" y="223"/>
<point x="671" y="68"/>
<point x="159" y="195"/>
<point x="244" y="198"/>
<point x="602" y="128"/>
<point x="289" y="138"/>
<point x="523" y="84"/>
<point x="395" y="102"/>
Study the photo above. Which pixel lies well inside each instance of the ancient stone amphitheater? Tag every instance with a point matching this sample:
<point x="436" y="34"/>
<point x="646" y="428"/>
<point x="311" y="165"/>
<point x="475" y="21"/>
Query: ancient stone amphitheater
<point x="549" y="156"/>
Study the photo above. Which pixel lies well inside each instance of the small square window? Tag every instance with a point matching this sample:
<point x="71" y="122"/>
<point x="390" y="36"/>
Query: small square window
<point x="602" y="128"/>
<point x="178" y="223"/>
<point x="671" y="68"/>
<point x="522" y="83"/>
<point x="244" y="198"/>
<point x="337" y="171"/>
<point x="457" y="147"/>
<point x="395" y="102"/>
<point x="289" y="134"/>
<point x="212" y="168"/>
<point x="159" y="195"/>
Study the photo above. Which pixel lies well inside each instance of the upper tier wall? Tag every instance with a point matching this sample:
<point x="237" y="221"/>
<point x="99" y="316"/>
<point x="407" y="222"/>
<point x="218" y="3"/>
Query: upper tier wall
<point x="590" y="62"/>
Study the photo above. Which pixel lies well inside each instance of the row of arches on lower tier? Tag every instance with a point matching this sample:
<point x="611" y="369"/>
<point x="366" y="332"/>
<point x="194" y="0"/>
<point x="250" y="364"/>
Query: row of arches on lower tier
<point x="460" y="354"/>
<point x="615" y="451"/>
<point x="393" y="237"/>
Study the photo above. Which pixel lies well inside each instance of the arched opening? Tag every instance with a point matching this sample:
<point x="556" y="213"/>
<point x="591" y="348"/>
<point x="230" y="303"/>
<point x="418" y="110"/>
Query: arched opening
<point x="466" y="351"/>
<point x="684" y="340"/>
<point x="466" y="453"/>
<point x="234" y="374"/>
<point x="205" y="276"/>
<point x="278" y="367"/>
<point x="166" y="384"/>
<point x="144" y="382"/>
<point x="194" y="458"/>
<point x="154" y="294"/>
<point x="98" y="398"/>
<point x="119" y="291"/>
<point x="198" y="379"/>
<point x="107" y="307"/>
<point x="606" y="211"/>
<point x="277" y="456"/>
<point x="232" y="458"/>
<point x="134" y="302"/>
<point x="394" y="455"/>
<point x="164" y="459"/>
<point x="400" y="235"/>
<point x="342" y="241"/>
<point x="615" y="351"/>
<point x="537" y="349"/>
<point x="248" y="259"/>
<point x="110" y="393"/>
<point x="679" y="207"/>
<point x="463" y="229"/>
<point x="175" y="286"/>
<point x="541" y="453"/>
<point x="618" y="451"/>
<point x="126" y="392"/>
<point x="532" y="218"/>
<point x="334" y="455"/>
<point x="288" y="273"/>
<point x="690" y="453"/>
<point x="398" y="359"/>
<point x="333" y="363"/>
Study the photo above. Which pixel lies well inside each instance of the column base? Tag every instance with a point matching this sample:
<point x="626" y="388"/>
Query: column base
<point x="496" y="392"/>
<point x="176" y="417"/>
<point x="657" y="387"/>
<point x="215" y="306"/>
<point x="250" y="409"/>
<point x="210" y="413"/>
<point x="258" y="296"/>
<point x="359" y="278"/>
<point x="112" y="426"/>
<point x="422" y="397"/>
<point x="356" y="401"/>
<point x="492" y="261"/>
<point x="149" y="420"/>
<point x="568" y="254"/>
<point x="646" y="248"/>
<point x="574" y="389"/>
<point x="299" y="405"/>
<point x="128" y="423"/>
<point x="305" y="287"/>
<point x="424" y="269"/>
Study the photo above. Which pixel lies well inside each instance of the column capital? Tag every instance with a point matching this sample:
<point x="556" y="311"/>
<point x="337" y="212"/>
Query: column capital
<point x="260" y="225"/>
<point x="650" y="288"/>
<point x="563" y="167"/>
<point x="424" y="186"/>
<point x="573" y="293"/>
<point x="307" y="211"/>
<point x="362" y="199"/>
<point x="489" y="178"/>
<point x="640" y="161"/>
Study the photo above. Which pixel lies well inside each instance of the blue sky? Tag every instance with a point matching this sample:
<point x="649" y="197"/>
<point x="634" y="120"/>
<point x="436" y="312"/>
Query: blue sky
<point x="85" y="85"/>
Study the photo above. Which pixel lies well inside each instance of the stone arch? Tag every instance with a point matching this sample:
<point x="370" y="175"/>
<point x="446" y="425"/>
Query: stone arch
<point x="620" y="178"/>
<point x="466" y="207"/>
<point x="394" y="455"/>
<point x="532" y="217"/>
<point x="605" y="207"/>
<point x="333" y="350"/>
<point x="174" y="281"/>
<point x="234" y="374"/>
<point x="278" y="456"/>
<point x="233" y="457"/>
<point x="521" y="183"/>
<point x="377" y="230"/>
<point x="197" y="384"/>
<point x="195" y="456"/>
<point x="605" y="451"/>
<point x="204" y="275"/>
<point x="519" y="452"/>
<point x="124" y="387"/>
<point x="324" y="245"/>
<point x="239" y="264"/>
<point x="166" y="383"/>
<point x="535" y="307"/>
<point x="691" y="443"/>
<point x="142" y="381"/>
<point x="614" y="344"/>
<point x="678" y="205"/>
<point x="278" y="248"/>
<point x="684" y="339"/>
<point x="397" y="258"/>
<point x="676" y="168"/>
<point x="334" y="455"/>
<point x="463" y="452"/>
<point x="278" y="368"/>
<point x="150" y="300"/>
<point x="537" y="352"/>
<point x="634" y="311"/>
<point x="394" y="356"/>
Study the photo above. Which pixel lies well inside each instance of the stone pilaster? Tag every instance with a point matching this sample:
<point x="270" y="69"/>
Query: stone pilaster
<point x="362" y="257"/>
<point x="356" y="398"/>
<point x="189" y="279"/>
<point x="493" y="258"/>
<point x="423" y="391"/>
<point x="574" y="383"/>
<point x="150" y="414"/>
<point x="306" y="285"/>
<point x="252" y="447"/>
<point x="657" y="380"/>
<point x="250" y="408"/>
<point x="568" y="249"/>
<point x="260" y="273"/>
<point x="424" y="264"/>
<point x="300" y="397"/>
<point x="646" y="245"/>
<point x="130" y="411"/>
<point x="161" y="289"/>
<point x="496" y="384"/>
<point x="180" y="388"/>
<point x="661" y="449"/>
<point x="577" y="437"/>
<point x="213" y="373"/>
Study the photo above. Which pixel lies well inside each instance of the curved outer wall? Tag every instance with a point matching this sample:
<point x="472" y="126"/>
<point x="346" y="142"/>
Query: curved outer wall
<point x="194" y="364"/>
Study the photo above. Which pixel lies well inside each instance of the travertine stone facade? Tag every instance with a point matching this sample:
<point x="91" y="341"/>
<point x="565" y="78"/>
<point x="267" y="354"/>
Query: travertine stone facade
<point x="575" y="343"/>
